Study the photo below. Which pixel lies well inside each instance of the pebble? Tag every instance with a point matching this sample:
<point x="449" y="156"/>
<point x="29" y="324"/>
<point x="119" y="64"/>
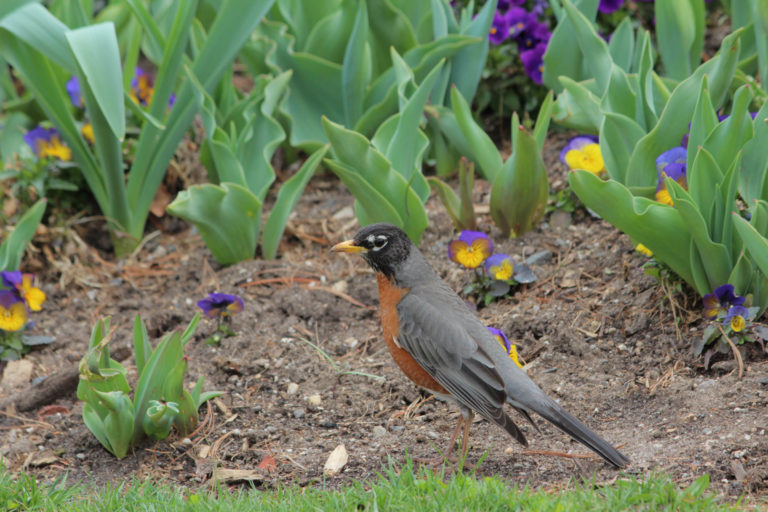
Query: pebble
<point x="397" y="428"/>
<point x="314" y="400"/>
<point x="292" y="388"/>
<point x="80" y="456"/>
<point x="379" y="432"/>
<point x="271" y="429"/>
<point x="299" y="413"/>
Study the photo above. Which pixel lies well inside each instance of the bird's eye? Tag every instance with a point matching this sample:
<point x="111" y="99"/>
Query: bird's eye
<point x="379" y="243"/>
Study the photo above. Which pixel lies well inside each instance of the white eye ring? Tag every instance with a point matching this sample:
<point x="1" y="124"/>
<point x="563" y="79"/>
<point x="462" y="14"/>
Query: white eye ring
<point x="379" y="242"/>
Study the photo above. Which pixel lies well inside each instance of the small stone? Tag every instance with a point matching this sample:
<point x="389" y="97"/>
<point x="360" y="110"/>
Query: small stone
<point x="314" y="400"/>
<point x="292" y="388"/>
<point x="570" y="279"/>
<point x="339" y="287"/>
<point x="379" y="432"/>
<point x="539" y="257"/>
<point x="336" y="461"/>
<point x="16" y="375"/>
<point x="299" y="413"/>
<point x="80" y="456"/>
<point x="271" y="429"/>
<point x="397" y="428"/>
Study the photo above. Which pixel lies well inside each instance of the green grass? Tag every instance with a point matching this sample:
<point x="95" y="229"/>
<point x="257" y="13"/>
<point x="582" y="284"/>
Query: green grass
<point x="395" y="489"/>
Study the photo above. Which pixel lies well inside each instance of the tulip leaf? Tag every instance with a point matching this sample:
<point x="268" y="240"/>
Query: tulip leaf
<point x="657" y="226"/>
<point x="287" y="198"/>
<point x="521" y="189"/>
<point x="228" y="217"/>
<point x="753" y="175"/>
<point x="618" y="137"/>
<point x="483" y="150"/>
<point x="13" y="247"/>
<point x="756" y="244"/>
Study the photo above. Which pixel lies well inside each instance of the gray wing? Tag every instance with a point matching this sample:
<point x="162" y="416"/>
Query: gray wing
<point x="445" y="349"/>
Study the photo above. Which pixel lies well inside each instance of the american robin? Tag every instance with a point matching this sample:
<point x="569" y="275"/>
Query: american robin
<point x="439" y="343"/>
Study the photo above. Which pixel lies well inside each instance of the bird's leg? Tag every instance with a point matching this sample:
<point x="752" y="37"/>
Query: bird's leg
<point x="447" y="456"/>
<point x="452" y="443"/>
<point x="465" y="435"/>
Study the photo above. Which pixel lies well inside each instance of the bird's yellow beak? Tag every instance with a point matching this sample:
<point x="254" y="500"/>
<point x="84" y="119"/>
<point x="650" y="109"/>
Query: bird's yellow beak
<point x="348" y="246"/>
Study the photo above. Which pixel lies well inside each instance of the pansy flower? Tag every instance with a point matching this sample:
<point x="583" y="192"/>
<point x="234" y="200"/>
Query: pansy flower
<point x="219" y="305"/>
<point x="609" y="6"/>
<point x="583" y="152"/>
<point x="471" y="249"/>
<point x="720" y="301"/>
<point x="533" y="63"/>
<point x="47" y="143"/>
<point x="509" y="347"/>
<point x="73" y="89"/>
<point x="87" y="131"/>
<point x="13" y="314"/>
<point x="23" y="284"/>
<point x="736" y="318"/>
<point x="142" y="88"/>
<point x="644" y="250"/>
<point x="500" y="267"/>
<point x="670" y="164"/>
<point x="499" y="31"/>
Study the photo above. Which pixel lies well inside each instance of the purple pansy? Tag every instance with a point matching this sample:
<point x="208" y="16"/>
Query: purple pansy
<point x="500" y="267"/>
<point x="609" y="6"/>
<point x="533" y="61"/>
<point x="73" y="89"/>
<point x="720" y="301"/>
<point x="471" y="249"/>
<point x="218" y="305"/>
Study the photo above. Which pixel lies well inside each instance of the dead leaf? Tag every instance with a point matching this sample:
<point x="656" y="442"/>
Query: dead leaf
<point x="336" y="461"/>
<point x="50" y="410"/>
<point x="268" y="463"/>
<point x="160" y="202"/>
<point x="237" y="475"/>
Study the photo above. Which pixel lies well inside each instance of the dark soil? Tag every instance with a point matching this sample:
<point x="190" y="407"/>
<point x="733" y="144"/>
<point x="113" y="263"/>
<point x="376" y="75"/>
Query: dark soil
<point x="597" y="333"/>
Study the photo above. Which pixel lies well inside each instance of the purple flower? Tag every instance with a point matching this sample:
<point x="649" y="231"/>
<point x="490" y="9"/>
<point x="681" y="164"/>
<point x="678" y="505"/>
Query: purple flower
<point x="11" y="278"/>
<point x="47" y="143"/>
<point x="499" y="31"/>
<point x="73" y="89"/>
<point x="583" y="152"/>
<point x="500" y="267"/>
<point x="13" y="313"/>
<point x="503" y="5"/>
<point x="471" y="249"/>
<point x="720" y="301"/>
<point x="509" y="347"/>
<point x="219" y="305"/>
<point x="670" y="164"/>
<point x="609" y="6"/>
<point x="533" y="61"/>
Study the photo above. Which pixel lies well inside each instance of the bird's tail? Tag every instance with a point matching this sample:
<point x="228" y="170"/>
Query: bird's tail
<point x="563" y="420"/>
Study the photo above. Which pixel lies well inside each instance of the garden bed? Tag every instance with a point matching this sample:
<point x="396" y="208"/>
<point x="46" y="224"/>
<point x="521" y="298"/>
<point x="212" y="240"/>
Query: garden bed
<point x="598" y="334"/>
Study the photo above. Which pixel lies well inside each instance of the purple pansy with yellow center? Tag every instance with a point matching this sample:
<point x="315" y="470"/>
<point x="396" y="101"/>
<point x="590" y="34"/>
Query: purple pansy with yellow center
<point x="13" y="314"/>
<point x="504" y="341"/>
<point x="471" y="249"/>
<point x="583" y="152"/>
<point x="670" y="164"/>
<point x="219" y="305"/>
<point x="499" y="31"/>
<point x="23" y="285"/>
<point x="142" y="88"/>
<point x="47" y="143"/>
<point x="736" y="318"/>
<point x="500" y="267"/>
<point x="720" y="301"/>
<point x="533" y="62"/>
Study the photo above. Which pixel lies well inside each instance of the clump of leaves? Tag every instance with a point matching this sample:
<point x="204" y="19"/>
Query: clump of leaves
<point x="159" y="402"/>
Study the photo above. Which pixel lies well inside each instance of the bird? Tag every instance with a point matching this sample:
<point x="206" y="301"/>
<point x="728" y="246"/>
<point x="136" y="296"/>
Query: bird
<point x="442" y="346"/>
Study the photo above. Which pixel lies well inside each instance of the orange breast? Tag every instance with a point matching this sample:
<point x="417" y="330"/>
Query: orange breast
<point x="389" y="296"/>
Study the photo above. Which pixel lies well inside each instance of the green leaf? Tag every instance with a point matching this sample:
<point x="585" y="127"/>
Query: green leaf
<point x="13" y="247"/>
<point x="756" y="244"/>
<point x="228" y="217"/>
<point x="483" y="150"/>
<point x="36" y="26"/>
<point x="753" y="182"/>
<point x="621" y="45"/>
<point x="520" y="190"/>
<point x="467" y="66"/>
<point x="703" y="177"/>
<point x="703" y="122"/>
<point x="577" y="107"/>
<point x="356" y="69"/>
<point x="599" y="62"/>
<point x="141" y="346"/>
<point x="680" y="35"/>
<point x="618" y="137"/>
<point x="657" y="226"/>
<point x="564" y="59"/>
<point x="95" y="50"/>
<point x="543" y="119"/>
<point x="287" y="198"/>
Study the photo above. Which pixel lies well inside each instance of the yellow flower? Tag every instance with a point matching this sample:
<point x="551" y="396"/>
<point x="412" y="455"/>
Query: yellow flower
<point x="471" y="249"/>
<point x="513" y="354"/>
<point x="662" y="196"/>
<point x="13" y="314"/>
<point x="87" y="131"/>
<point x="509" y="347"/>
<point x="644" y="250"/>
<point x="583" y="152"/>
<point x="32" y="295"/>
